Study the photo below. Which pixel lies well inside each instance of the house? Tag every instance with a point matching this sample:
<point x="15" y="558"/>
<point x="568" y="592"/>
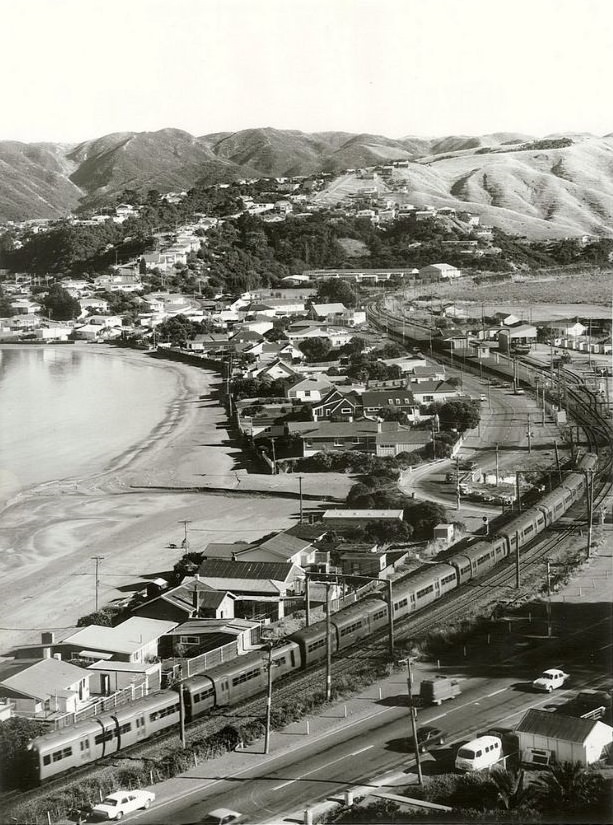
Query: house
<point x="362" y="560"/>
<point x="545" y="737"/>
<point x="282" y="547"/>
<point x="428" y="392"/>
<point x="209" y="344"/>
<point x="38" y="688"/>
<point x="197" y="636"/>
<point x="256" y="418"/>
<point x="278" y="368"/>
<point x="192" y="598"/>
<point x="109" y="677"/>
<point x="261" y="588"/>
<point x="338" y="336"/>
<point x="568" y="329"/>
<point x="337" y="404"/>
<point x="309" y="389"/>
<point x="359" y="518"/>
<point x="325" y="312"/>
<point x="433" y="372"/>
<point x="435" y="272"/>
<point x="404" y="440"/>
<point x="397" y="399"/>
<point x="444" y="532"/>
<point x="135" y="640"/>
<point x="335" y="436"/>
<point x="406" y="363"/>
<point x="519" y="334"/>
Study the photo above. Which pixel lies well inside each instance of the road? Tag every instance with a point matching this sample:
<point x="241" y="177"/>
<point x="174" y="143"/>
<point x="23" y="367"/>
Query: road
<point x="270" y="788"/>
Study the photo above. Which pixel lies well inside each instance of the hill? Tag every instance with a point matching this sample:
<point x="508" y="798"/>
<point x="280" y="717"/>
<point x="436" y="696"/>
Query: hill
<point x="561" y="185"/>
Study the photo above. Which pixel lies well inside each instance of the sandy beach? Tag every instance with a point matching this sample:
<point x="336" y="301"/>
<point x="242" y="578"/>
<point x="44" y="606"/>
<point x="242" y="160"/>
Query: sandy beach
<point x="51" y="532"/>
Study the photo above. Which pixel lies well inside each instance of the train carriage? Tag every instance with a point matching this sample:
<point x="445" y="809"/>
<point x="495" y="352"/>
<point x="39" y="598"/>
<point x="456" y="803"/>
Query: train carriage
<point x="312" y="643"/>
<point x="359" y="620"/>
<point x="423" y="587"/>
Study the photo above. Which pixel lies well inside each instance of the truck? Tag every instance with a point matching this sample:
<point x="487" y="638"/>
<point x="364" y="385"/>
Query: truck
<point x="588" y="704"/>
<point x="435" y="691"/>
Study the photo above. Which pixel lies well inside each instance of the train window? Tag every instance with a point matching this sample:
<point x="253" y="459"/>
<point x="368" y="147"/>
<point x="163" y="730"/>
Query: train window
<point x="424" y="591"/>
<point x="246" y="677"/>
<point x="528" y="529"/>
<point x="280" y="662"/>
<point x="465" y="569"/>
<point x="204" y="694"/>
<point x="450" y="578"/>
<point x="85" y="744"/>
<point x="160" y="714"/>
<point x="47" y="759"/>
<point x="315" y="645"/>
<point x="379" y="614"/>
<point x="125" y="728"/>
<point x="350" y="628"/>
<point x="104" y="737"/>
<point x="540" y="520"/>
<point x="401" y="603"/>
<point x="56" y="756"/>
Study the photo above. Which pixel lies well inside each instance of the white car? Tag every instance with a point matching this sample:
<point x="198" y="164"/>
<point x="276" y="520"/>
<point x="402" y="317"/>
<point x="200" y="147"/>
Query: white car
<point x="550" y="680"/>
<point x="222" y="816"/>
<point x="117" y="804"/>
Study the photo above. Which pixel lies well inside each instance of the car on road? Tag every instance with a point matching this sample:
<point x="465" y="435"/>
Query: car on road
<point x="118" y="804"/>
<point x="550" y="680"/>
<point x="222" y="816"/>
<point x="427" y="737"/>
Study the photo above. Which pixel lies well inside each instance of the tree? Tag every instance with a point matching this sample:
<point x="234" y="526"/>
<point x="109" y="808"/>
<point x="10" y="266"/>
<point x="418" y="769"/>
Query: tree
<point x="315" y="349"/>
<point x="459" y="415"/>
<point x="569" y="787"/>
<point x="60" y="305"/>
<point x="424" y="516"/>
<point x="103" y="618"/>
<point x="511" y="792"/>
<point x="335" y="291"/>
<point x="15" y="735"/>
<point x="5" y="306"/>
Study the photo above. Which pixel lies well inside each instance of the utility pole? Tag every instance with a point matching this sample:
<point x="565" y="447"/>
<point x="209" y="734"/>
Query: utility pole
<point x="548" y="563"/>
<point x="555" y="447"/>
<point x="268" y="699"/>
<point x="307" y="593"/>
<point x="413" y="711"/>
<point x="390" y="604"/>
<point x="97" y="560"/>
<point x="517" y="570"/>
<point x="185" y="522"/>
<point x="300" y="493"/>
<point x="457" y="483"/>
<point x="529" y="437"/>
<point x="328" y="644"/>
<point x="543" y="408"/>
<point x="181" y="708"/>
<point x="589" y="495"/>
<point x="496" y="464"/>
<point x="274" y="457"/>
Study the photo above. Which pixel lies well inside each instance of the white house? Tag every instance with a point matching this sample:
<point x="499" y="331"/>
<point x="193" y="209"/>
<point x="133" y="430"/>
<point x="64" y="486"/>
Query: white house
<point x="46" y="686"/>
<point x="310" y="389"/>
<point x="444" y="271"/>
<point x="573" y="329"/>
<point x="545" y="736"/>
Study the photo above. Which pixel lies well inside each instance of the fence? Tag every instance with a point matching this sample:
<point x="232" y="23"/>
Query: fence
<point x="105" y="703"/>
<point x="198" y="664"/>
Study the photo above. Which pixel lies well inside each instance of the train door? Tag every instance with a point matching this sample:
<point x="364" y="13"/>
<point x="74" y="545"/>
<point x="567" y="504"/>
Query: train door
<point x="140" y="727"/>
<point x="85" y="749"/>
<point x="437" y="588"/>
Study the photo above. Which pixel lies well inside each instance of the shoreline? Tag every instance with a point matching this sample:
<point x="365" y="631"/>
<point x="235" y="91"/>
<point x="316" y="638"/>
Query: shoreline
<point x="51" y="532"/>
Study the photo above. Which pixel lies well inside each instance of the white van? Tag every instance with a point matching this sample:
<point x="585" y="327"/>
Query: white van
<point x="479" y="753"/>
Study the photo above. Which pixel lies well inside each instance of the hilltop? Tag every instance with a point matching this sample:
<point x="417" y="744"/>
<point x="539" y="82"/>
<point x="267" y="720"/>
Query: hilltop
<point x="553" y="187"/>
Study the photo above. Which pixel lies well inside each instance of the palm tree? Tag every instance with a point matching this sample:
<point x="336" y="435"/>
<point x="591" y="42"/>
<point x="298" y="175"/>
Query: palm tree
<point x="510" y="789"/>
<point x="568" y="786"/>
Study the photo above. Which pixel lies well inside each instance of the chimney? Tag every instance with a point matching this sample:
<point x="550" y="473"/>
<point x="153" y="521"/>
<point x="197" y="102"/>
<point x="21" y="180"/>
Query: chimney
<point x="47" y="638"/>
<point x="196" y="599"/>
<point x="379" y="426"/>
<point x="197" y="576"/>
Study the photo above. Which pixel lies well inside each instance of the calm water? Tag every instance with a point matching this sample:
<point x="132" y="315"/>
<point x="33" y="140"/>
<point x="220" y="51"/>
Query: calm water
<point x="67" y="412"/>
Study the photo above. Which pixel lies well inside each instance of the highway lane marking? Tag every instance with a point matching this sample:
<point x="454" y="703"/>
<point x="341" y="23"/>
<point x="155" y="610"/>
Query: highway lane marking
<point x="496" y="692"/>
<point x="320" y="768"/>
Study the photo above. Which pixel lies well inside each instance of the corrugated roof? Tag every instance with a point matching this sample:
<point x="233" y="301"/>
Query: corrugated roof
<point x="237" y="586"/>
<point x="284" y="545"/>
<point x="225" y="550"/>
<point x="258" y="570"/>
<point x="418" y="437"/>
<point x="556" y="726"/>
<point x="363" y="514"/>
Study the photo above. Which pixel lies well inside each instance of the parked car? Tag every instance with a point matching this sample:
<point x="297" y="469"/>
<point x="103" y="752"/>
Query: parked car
<point x="116" y="805"/>
<point x="550" y="680"/>
<point x="427" y="737"/>
<point x="222" y="816"/>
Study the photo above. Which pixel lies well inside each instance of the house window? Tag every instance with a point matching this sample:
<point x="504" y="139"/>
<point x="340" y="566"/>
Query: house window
<point x="345" y="410"/>
<point x="189" y="640"/>
<point x="338" y="442"/>
<point x="307" y="393"/>
<point x="397" y="401"/>
<point x="327" y="412"/>
<point x="428" y="398"/>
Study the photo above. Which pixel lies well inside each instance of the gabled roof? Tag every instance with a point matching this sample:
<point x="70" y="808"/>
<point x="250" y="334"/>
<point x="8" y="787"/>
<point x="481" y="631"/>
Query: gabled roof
<point x="417" y="438"/>
<point x="433" y="386"/>
<point x="44" y="678"/>
<point x="373" y="398"/>
<point x="337" y="395"/>
<point x="556" y="726"/>
<point x="320" y="383"/>
<point x="321" y="310"/>
<point x="225" y="550"/>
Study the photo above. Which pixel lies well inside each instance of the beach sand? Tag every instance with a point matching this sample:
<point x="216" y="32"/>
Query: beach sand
<point x="50" y="533"/>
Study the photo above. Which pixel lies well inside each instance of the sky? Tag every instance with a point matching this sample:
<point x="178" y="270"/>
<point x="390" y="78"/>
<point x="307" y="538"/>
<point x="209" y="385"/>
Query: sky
<point x="79" y="69"/>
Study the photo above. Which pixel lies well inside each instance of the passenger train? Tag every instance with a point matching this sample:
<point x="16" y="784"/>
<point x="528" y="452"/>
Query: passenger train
<point x="246" y="676"/>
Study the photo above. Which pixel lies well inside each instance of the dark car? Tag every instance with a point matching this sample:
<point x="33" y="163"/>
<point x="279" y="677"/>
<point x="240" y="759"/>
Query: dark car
<point x="427" y="737"/>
